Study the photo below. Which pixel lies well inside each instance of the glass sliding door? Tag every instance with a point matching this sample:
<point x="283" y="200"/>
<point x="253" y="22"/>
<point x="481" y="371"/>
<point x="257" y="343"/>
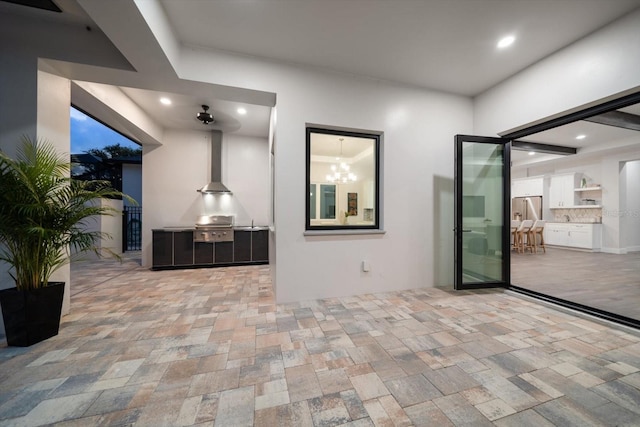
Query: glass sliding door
<point x="482" y="232"/>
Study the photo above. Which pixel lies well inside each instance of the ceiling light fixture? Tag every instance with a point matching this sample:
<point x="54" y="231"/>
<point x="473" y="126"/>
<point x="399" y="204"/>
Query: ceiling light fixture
<point x="341" y="172"/>
<point x="204" y="116"/>
<point x="532" y="153"/>
<point x="581" y="136"/>
<point x="506" y="42"/>
<point x="242" y="111"/>
<point x="165" y="101"/>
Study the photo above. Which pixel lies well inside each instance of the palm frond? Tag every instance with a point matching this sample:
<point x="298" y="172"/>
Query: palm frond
<point x="44" y="213"/>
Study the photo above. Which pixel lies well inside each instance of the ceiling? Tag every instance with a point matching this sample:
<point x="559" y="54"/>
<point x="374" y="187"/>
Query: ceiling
<point x="597" y="137"/>
<point x="447" y="45"/>
<point x="181" y="114"/>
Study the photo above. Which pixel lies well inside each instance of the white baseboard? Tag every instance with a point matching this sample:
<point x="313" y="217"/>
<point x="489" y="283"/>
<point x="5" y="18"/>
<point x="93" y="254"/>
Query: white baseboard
<point x="616" y="251"/>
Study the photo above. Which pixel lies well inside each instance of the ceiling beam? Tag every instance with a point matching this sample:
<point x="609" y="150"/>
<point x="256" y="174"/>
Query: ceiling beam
<point x="543" y="148"/>
<point x="618" y="119"/>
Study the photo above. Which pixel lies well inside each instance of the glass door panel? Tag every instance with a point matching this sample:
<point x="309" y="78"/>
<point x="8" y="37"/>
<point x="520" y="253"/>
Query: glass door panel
<point x="327" y="201"/>
<point x="482" y="212"/>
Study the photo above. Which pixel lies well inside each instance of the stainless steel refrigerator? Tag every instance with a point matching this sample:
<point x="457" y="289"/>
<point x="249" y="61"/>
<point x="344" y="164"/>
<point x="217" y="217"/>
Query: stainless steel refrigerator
<point x="526" y="208"/>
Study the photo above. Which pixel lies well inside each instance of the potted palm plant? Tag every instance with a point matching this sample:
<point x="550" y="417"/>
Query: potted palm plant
<point x="43" y="224"/>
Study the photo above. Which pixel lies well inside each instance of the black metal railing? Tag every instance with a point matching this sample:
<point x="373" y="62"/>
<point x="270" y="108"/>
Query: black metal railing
<point x="131" y="228"/>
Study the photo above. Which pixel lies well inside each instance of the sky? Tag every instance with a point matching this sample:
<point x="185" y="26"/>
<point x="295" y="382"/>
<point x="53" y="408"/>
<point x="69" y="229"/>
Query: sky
<point x="87" y="133"/>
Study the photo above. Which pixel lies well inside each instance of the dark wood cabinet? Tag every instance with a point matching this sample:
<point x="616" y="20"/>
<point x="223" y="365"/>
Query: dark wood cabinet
<point x="203" y="253"/>
<point x="183" y="248"/>
<point x="260" y="245"/>
<point x="241" y="246"/>
<point x="223" y="252"/>
<point x="162" y="247"/>
<point x="176" y="249"/>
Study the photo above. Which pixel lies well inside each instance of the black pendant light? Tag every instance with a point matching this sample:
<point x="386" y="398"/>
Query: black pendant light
<point x="204" y="116"/>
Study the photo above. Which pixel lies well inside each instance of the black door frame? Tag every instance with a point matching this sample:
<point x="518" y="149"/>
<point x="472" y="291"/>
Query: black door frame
<point x="506" y="207"/>
<point x="614" y="104"/>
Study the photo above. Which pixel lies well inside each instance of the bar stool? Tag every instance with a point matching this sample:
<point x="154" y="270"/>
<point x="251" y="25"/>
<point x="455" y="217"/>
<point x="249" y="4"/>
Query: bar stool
<point x="537" y="229"/>
<point x="515" y="223"/>
<point x="521" y="232"/>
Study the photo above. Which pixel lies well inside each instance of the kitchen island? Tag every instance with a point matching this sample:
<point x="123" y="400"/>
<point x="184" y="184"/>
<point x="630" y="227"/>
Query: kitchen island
<point x="175" y="248"/>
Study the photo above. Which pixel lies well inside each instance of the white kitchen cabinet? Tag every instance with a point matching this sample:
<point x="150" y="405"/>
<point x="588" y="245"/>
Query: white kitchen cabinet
<point x="583" y="236"/>
<point x="562" y="190"/>
<point x="527" y="187"/>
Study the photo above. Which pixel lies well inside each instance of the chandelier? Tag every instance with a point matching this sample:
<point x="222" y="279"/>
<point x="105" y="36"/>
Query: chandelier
<point x="340" y="172"/>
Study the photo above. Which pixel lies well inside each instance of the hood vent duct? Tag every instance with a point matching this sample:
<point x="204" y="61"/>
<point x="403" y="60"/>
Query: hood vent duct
<point x="216" y="185"/>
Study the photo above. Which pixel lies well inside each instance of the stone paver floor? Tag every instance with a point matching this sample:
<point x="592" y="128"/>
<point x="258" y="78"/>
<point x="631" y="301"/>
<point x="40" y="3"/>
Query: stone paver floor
<point x="210" y="347"/>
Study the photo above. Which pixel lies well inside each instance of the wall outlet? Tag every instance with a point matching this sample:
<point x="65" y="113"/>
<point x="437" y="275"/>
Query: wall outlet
<point x="366" y="266"/>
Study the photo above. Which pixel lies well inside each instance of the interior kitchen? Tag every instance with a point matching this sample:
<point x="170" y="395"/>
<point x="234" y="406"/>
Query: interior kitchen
<point x="588" y="207"/>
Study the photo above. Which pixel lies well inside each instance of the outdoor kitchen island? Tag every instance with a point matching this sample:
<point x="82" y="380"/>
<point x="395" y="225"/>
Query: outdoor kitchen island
<point x="184" y="247"/>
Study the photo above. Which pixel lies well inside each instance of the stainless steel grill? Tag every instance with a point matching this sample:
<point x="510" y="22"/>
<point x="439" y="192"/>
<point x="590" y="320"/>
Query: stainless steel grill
<point x="214" y="228"/>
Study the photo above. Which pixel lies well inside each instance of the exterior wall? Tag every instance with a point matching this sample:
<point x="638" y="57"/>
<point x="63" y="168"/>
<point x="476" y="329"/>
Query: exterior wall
<point x="417" y="181"/>
<point x="596" y="67"/>
<point x="54" y="123"/>
<point x="18" y="86"/>
<point x="132" y="182"/>
<point x="245" y="171"/>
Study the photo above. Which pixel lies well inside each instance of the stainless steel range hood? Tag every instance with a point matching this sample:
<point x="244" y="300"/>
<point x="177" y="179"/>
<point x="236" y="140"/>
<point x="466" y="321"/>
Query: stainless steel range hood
<point x="216" y="185"/>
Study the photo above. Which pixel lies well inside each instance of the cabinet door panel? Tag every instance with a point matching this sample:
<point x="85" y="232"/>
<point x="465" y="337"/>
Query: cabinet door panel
<point x="162" y="248"/>
<point x="242" y="246"/>
<point x="223" y="252"/>
<point x="203" y="253"/>
<point x="183" y="248"/>
<point x="260" y="245"/>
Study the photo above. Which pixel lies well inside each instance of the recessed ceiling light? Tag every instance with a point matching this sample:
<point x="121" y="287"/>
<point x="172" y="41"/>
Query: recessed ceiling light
<point x="581" y="136"/>
<point x="242" y="111"/>
<point x="165" y="101"/>
<point x="531" y="153"/>
<point x="506" y="42"/>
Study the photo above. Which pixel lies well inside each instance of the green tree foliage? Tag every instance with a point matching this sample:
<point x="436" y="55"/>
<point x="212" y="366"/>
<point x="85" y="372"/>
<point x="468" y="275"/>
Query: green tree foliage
<point x="109" y="164"/>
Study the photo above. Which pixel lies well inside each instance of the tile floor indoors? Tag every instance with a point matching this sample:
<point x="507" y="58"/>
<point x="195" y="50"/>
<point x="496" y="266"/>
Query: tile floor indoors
<point x="210" y="347"/>
<point x="605" y="281"/>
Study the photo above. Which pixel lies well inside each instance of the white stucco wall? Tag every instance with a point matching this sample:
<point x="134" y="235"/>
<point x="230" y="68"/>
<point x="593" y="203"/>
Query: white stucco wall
<point x="418" y="127"/>
<point x="600" y="65"/>
<point x="54" y="123"/>
<point x="245" y="171"/>
<point x="132" y="182"/>
<point x="18" y="86"/>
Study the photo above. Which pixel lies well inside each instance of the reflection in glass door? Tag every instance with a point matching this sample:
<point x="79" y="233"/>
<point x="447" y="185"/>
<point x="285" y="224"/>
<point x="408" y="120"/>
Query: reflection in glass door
<point x="482" y="239"/>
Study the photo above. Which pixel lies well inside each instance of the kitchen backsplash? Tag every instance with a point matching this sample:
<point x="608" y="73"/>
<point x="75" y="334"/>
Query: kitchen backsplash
<point x="578" y="215"/>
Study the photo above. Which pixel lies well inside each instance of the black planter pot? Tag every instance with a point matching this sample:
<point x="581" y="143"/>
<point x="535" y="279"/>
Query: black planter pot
<point x="31" y="316"/>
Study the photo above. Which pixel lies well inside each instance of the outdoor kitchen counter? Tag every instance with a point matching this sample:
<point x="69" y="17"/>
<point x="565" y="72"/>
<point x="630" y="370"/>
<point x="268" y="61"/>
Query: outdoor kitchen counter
<point x="250" y="228"/>
<point x="175" y="248"/>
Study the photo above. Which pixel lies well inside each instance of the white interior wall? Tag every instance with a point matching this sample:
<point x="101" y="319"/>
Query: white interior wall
<point x="418" y="127"/>
<point x="631" y="212"/>
<point x="598" y="66"/>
